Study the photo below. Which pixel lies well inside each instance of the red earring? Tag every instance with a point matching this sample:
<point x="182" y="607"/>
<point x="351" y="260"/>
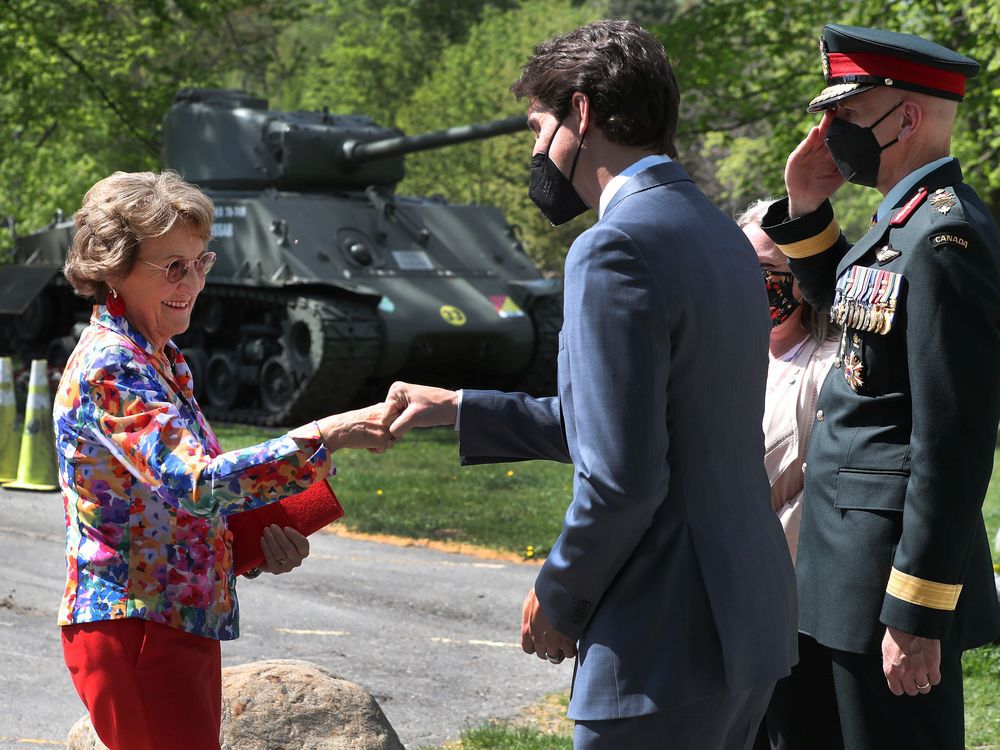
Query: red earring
<point x="115" y="304"/>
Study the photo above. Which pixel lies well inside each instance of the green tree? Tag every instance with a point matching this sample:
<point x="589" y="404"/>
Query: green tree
<point x="470" y="83"/>
<point x="84" y="85"/>
<point x="373" y="54"/>
<point x="747" y="69"/>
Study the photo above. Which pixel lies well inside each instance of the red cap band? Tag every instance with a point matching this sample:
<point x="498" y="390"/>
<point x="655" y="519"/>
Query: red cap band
<point x="883" y="66"/>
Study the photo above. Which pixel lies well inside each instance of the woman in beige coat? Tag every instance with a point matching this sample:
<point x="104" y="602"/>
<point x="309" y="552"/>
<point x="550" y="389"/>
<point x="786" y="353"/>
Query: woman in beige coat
<point x="803" y="346"/>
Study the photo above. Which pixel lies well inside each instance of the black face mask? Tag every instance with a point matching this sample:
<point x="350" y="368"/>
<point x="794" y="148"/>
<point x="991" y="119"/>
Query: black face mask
<point x="856" y="150"/>
<point x="551" y="190"/>
<point x="779" y="296"/>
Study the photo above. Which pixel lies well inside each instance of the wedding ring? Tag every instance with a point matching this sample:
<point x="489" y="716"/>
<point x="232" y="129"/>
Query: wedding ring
<point x="555" y="659"/>
<point x="924" y="686"/>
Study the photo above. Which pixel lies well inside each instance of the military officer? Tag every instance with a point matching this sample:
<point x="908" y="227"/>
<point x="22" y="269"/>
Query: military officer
<point x="894" y="568"/>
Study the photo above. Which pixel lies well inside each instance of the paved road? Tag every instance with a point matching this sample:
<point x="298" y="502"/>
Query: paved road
<point x="434" y="636"/>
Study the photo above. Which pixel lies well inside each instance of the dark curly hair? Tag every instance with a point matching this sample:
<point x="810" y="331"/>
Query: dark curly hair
<point x="625" y="73"/>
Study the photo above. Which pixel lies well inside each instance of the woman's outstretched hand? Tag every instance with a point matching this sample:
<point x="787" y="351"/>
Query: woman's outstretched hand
<point x="360" y="429"/>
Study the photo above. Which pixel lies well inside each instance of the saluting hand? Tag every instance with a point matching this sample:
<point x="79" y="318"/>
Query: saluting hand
<point x="811" y="175"/>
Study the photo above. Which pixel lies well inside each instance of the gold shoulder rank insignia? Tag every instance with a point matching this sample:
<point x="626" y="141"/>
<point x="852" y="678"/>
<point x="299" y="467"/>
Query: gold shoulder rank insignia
<point x="942" y="200"/>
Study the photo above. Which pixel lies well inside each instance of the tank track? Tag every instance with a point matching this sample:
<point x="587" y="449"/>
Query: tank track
<point x="319" y="350"/>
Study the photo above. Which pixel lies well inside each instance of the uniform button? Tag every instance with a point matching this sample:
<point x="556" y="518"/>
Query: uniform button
<point x="804" y="464"/>
<point x="819" y="416"/>
<point x="837" y="363"/>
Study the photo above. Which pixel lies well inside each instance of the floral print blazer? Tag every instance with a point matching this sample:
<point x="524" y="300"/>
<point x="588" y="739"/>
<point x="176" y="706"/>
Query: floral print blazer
<point x="146" y="487"/>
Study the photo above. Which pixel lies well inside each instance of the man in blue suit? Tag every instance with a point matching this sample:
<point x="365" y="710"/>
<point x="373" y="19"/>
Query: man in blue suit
<point x="671" y="581"/>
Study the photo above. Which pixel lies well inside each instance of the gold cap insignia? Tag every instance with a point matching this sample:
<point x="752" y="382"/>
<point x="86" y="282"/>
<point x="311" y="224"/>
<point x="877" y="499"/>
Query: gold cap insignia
<point x="824" y="54"/>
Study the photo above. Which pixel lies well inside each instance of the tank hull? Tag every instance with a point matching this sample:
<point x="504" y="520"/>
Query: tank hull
<point x="327" y="285"/>
<point x="319" y="301"/>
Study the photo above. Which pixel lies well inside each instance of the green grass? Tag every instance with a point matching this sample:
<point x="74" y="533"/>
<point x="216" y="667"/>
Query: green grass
<point x="981" y="667"/>
<point x="498" y="736"/>
<point x="418" y="490"/>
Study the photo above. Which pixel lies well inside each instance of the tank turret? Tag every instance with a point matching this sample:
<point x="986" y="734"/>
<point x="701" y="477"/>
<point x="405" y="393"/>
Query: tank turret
<point x="328" y="285"/>
<point x="219" y="138"/>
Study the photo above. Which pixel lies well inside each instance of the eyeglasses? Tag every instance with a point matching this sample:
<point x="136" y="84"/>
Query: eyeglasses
<point x="177" y="269"/>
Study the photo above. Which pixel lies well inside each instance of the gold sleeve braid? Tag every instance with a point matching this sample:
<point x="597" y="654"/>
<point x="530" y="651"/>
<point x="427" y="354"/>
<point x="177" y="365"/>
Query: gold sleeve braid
<point x="923" y="593"/>
<point x="813" y="245"/>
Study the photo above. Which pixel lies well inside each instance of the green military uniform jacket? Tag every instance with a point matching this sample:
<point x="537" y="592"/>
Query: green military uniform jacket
<point x="902" y="450"/>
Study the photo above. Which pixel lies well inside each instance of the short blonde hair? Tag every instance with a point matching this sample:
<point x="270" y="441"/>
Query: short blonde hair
<point x="816" y="323"/>
<point x="121" y="211"/>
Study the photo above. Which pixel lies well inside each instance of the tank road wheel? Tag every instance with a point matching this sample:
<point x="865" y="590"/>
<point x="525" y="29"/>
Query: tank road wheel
<point x="293" y="358"/>
<point x="222" y="380"/>
<point x="276" y="385"/>
<point x="211" y="314"/>
<point x="539" y="379"/>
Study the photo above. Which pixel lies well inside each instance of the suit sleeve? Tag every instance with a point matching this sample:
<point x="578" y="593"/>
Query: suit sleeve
<point x="953" y="359"/>
<point x="616" y="348"/>
<point x="497" y="427"/>
<point x="814" y="246"/>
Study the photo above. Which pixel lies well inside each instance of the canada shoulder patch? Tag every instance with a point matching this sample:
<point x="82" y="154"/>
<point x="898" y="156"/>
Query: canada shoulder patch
<point x="948" y="238"/>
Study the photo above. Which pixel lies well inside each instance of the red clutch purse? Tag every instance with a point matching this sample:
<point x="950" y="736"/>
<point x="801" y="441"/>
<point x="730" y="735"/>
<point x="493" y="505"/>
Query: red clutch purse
<point x="306" y="512"/>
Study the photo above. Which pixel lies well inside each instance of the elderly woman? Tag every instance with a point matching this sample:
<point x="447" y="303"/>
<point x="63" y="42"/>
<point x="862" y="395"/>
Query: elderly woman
<point x="802" y="713"/>
<point x="150" y="589"/>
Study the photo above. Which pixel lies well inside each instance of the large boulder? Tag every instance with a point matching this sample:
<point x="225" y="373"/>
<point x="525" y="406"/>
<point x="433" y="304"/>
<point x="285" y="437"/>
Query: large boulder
<point x="286" y="704"/>
<point x="83" y="737"/>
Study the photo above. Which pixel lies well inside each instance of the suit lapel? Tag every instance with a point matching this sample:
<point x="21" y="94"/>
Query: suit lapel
<point x="661" y="174"/>
<point x="947" y="174"/>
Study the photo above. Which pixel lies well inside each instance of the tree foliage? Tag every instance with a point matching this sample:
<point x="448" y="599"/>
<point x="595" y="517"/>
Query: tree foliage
<point x="471" y="83"/>
<point x="372" y="54"/>
<point x="747" y="70"/>
<point x="84" y="85"/>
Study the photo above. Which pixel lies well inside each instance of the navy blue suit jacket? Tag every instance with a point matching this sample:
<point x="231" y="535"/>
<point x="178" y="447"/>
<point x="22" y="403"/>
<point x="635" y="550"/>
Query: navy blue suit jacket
<point x="671" y="569"/>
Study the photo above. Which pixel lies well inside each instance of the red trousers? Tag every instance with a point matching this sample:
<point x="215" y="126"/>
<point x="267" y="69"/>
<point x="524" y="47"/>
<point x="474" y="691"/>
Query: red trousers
<point x="147" y="686"/>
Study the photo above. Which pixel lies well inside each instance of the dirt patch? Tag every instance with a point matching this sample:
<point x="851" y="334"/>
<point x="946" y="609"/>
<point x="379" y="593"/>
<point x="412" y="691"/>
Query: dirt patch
<point x="440" y="545"/>
<point x="11" y="604"/>
<point x="548" y="715"/>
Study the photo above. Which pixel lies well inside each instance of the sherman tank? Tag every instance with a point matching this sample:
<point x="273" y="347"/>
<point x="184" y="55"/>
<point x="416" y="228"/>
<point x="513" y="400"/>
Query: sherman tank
<point x="328" y="285"/>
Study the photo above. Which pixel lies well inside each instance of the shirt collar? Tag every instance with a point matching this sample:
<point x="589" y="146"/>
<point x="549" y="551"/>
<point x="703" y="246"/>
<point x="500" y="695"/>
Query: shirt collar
<point x="118" y="323"/>
<point x="619" y="180"/>
<point x="905" y="185"/>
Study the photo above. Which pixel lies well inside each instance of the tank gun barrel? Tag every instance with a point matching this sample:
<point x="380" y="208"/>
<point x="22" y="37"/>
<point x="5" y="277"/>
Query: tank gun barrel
<point x="358" y="153"/>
